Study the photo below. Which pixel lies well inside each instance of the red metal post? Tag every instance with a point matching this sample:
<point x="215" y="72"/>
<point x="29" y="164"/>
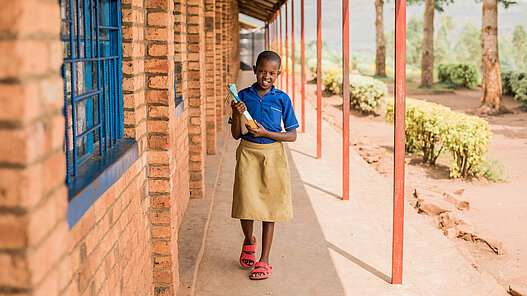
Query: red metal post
<point x="303" y="62"/>
<point x="275" y="37"/>
<point x="345" y="101"/>
<point x="293" y="50"/>
<point x="398" y="184"/>
<point x="281" y="45"/>
<point x="266" y="32"/>
<point x="319" y="78"/>
<point x="286" y="51"/>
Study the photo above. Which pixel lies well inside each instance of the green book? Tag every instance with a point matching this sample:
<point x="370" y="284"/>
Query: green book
<point x="246" y="118"/>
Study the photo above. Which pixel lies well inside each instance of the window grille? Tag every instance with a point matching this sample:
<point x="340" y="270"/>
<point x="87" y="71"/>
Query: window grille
<point x="92" y="72"/>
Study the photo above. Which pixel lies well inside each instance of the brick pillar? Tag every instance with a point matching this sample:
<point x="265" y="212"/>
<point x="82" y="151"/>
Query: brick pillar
<point x="33" y="198"/>
<point x="135" y="126"/>
<point x="220" y="83"/>
<point x="196" y="95"/>
<point x="161" y="126"/>
<point x="210" y="79"/>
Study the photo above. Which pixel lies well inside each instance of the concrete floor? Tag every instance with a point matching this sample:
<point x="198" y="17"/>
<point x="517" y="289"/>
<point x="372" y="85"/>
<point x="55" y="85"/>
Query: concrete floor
<point x="331" y="247"/>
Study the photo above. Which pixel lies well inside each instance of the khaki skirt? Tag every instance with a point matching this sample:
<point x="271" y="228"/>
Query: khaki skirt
<point x="262" y="185"/>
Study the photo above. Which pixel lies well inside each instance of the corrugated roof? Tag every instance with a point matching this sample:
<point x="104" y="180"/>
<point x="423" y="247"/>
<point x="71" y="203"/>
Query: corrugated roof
<point x="260" y="9"/>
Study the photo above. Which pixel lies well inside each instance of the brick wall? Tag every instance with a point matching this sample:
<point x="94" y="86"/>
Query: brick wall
<point x="126" y="242"/>
<point x="196" y="95"/>
<point x="33" y="227"/>
<point x="210" y="78"/>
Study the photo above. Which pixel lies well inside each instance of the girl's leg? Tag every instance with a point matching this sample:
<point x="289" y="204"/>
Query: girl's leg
<point x="247" y="227"/>
<point x="267" y="240"/>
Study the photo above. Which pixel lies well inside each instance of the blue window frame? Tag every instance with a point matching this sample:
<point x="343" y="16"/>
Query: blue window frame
<point x="92" y="72"/>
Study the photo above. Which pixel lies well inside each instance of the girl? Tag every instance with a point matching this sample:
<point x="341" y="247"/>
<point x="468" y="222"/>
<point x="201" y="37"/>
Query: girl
<point x="262" y="189"/>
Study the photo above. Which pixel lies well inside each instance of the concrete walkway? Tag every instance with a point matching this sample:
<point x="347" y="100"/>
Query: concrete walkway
<point x="332" y="247"/>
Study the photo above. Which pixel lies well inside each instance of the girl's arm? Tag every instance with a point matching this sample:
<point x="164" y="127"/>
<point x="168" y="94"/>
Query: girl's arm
<point x="237" y="111"/>
<point x="288" y="136"/>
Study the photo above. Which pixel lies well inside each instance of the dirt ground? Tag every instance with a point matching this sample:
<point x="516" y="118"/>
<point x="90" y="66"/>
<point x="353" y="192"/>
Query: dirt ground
<point x="497" y="210"/>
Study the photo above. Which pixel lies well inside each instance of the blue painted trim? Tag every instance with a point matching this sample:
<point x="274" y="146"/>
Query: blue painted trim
<point x="180" y="107"/>
<point x="97" y="175"/>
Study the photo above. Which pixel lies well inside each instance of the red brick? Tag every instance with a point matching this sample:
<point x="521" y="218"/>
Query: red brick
<point x="159" y="82"/>
<point x="158" y="126"/>
<point x="163" y="4"/>
<point x="158" y="112"/>
<point x="162" y="276"/>
<point x="158" y="142"/>
<point x="48" y="253"/>
<point x="157" y="34"/>
<point x="160" y="231"/>
<point x="13" y="232"/>
<point x="160" y="217"/>
<point x="21" y="108"/>
<point x="20" y="187"/>
<point x="157" y="66"/>
<point x="14" y="272"/>
<point x="160" y="186"/>
<point x="30" y="17"/>
<point x="157" y="50"/>
<point x="162" y="19"/>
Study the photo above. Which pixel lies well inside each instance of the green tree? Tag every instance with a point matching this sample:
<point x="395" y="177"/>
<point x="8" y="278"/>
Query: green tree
<point x="414" y="40"/>
<point x="427" y="54"/>
<point x="468" y="46"/>
<point x="506" y="54"/>
<point x="519" y="42"/>
<point x="442" y="45"/>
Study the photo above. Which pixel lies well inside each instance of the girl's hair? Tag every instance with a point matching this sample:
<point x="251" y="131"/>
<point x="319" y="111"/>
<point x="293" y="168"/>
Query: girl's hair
<point x="269" y="56"/>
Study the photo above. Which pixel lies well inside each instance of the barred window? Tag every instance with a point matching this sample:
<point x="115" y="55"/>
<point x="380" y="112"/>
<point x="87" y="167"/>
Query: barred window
<point x="93" y="108"/>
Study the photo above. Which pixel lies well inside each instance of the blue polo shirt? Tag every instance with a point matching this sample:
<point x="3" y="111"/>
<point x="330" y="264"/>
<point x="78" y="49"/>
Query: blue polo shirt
<point x="269" y="111"/>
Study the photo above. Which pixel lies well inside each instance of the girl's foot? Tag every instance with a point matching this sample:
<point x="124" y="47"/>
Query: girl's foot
<point x="261" y="271"/>
<point x="247" y="257"/>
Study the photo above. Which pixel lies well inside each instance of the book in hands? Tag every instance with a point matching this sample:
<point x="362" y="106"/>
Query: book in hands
<point x="246" y="118"/>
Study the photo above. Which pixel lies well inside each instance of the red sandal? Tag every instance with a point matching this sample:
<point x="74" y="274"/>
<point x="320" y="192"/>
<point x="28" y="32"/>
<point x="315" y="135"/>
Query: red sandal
<point x="261" y="267"/>
<point x="246" y="249"/>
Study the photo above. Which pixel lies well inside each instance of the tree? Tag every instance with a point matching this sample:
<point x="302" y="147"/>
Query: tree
<point x="427" y="54"/>
<point x="380" y="52"/>
<point x="442" y="46"/>
<point x="468" y="46"/>
<point x="490" y="62"/>
<point x="414" y="40"/>
<point x="519" y="40"/>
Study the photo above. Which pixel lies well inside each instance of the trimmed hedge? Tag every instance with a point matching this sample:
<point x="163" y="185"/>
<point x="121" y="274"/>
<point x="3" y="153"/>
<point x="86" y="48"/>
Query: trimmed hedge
<point x="431" y="128"/>
<point x="463" y="74"/>
<point x="514" y="83"/>
<point x="366" y="93"/>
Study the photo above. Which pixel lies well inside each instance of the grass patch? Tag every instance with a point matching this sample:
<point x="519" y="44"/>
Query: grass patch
<point x="494" y="170"/>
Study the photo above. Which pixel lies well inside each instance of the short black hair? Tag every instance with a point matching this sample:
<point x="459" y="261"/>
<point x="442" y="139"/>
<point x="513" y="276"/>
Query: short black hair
<point x="269" y="55"/>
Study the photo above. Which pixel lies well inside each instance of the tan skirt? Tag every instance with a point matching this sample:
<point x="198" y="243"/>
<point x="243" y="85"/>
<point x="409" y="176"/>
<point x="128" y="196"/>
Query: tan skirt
<point x="262" y="185"/>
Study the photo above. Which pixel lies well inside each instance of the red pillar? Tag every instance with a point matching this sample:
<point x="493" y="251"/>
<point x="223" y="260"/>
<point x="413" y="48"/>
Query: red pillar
<point x="303" y="65"/>
<point x="400" y="98"/>
<point x="281" y="45"/>
<point x="286" y="51"/>
<point x="266" y="35"/>
<point x="345" y="101"/>
<point x="293" y="50"/>
<point x="319" y="78"/>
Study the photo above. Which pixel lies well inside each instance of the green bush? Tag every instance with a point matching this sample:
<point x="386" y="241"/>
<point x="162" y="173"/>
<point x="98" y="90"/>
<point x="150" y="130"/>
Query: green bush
<point x="463" y="74"/>
<point x="431" y="128"/>
<point x="514" y="83"/>
<point x="366" y="93"/>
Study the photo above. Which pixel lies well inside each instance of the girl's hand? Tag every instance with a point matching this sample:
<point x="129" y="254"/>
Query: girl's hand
<point x="260" y="131"/>
<point x="238" y="108"/>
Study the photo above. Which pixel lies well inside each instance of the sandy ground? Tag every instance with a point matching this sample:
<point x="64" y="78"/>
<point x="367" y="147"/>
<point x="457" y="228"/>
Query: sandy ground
<point x="497" y="209"/>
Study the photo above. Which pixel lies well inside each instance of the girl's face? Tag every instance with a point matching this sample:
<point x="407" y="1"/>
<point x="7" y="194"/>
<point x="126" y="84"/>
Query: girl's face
<point x="266" y="73"/>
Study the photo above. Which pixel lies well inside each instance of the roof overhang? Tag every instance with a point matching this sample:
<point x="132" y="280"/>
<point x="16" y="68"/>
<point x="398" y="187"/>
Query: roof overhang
<point x="263" y="10"/>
